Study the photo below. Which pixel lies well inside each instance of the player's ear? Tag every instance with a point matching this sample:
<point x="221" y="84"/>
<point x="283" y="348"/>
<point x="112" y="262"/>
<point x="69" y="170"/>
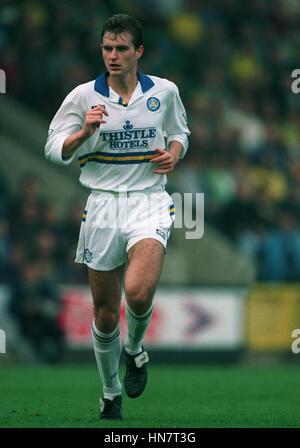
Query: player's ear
<point x="139" y="51"/>
<point x="101" y="46"/>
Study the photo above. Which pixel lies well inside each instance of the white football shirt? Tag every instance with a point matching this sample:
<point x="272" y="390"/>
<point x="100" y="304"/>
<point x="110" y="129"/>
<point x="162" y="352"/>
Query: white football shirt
<point x="118" y="153"/>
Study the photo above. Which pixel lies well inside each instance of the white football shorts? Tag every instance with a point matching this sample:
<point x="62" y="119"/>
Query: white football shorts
<point x="112" y="224"/>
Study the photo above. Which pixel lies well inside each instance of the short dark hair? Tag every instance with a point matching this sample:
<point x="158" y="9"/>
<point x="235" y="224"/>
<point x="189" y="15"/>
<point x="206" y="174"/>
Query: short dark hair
<point x="119" y="23"/>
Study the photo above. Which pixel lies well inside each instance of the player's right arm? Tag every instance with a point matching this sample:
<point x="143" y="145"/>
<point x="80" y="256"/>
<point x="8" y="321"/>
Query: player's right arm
<point x="93" y="119"/>
<point x="71" y="127"/>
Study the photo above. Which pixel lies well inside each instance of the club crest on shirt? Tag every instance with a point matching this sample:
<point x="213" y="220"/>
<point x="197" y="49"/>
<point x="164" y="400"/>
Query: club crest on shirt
<point x="153" y="104"/>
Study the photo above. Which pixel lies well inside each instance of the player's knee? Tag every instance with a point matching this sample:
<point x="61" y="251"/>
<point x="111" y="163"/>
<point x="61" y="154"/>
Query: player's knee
<point x="106" y="317"/>
<point x="139" y="297"/>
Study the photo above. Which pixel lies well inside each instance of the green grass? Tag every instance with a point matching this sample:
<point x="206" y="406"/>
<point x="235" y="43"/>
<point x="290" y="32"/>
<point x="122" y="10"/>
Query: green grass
<point x="176" y="397"/>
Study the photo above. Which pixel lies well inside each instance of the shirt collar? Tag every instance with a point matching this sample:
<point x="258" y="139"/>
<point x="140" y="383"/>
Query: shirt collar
<point x="102" y="87"/>
<point x="145" y="81"/>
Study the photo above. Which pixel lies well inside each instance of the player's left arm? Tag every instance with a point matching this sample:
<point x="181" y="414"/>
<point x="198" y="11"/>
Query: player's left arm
<point x="166" y="160"/>
<point x="177" y="132"/>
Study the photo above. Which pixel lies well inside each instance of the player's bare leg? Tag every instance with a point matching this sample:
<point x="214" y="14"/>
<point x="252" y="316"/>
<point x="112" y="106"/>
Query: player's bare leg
<point x="106" y="287"/>
<point x="145" y="260"/>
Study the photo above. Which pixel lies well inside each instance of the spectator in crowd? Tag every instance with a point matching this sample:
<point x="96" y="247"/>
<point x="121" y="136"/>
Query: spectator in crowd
<point x="35" y="305"/>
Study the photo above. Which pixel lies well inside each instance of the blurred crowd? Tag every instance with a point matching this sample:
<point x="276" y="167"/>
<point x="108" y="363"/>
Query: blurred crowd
<point x="232" y="62"/>
<point x="36" y="255"/>
<point x="35" y="243"/>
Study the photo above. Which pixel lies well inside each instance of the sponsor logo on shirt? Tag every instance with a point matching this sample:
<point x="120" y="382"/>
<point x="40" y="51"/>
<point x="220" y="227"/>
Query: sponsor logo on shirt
<point x="129" y="137"/>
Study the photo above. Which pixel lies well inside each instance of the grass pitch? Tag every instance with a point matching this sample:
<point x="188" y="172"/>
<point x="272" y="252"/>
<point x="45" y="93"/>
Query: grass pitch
<point x="188" y="396"/>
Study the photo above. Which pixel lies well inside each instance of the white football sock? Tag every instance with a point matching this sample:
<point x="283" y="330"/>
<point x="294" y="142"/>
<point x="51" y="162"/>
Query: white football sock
<point x="107" y="348"/>
<point x="137" y="326"/>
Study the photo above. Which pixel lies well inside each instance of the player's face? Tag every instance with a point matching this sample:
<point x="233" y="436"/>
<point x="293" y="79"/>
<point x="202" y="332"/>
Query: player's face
<point x="119" y="55"/>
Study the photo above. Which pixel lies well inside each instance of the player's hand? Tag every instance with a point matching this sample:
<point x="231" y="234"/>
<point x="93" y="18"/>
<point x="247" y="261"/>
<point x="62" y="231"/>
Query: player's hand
<point x="93" y="119"/>
<point x="165" y="160"/>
